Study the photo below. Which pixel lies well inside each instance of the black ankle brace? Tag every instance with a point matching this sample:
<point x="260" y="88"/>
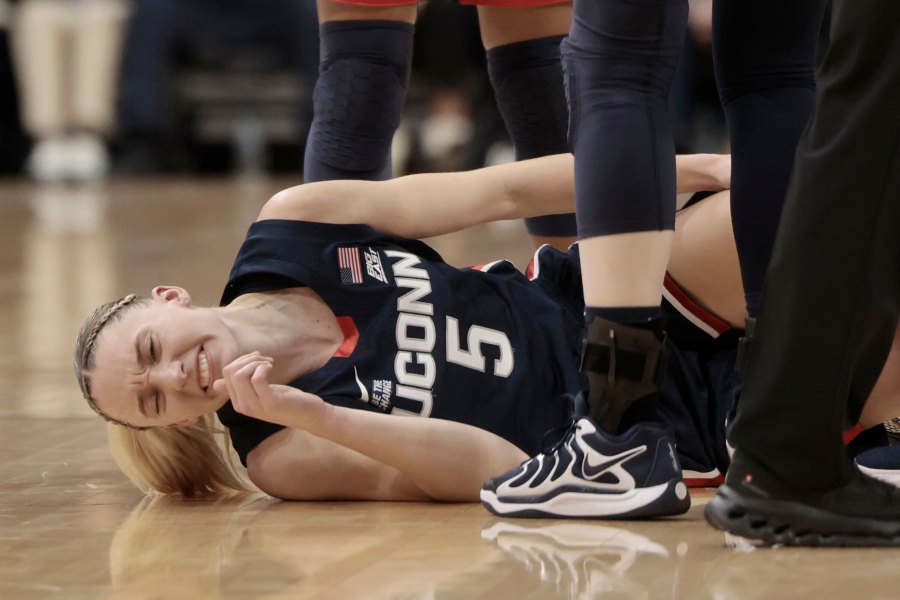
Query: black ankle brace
<point x="622" y="364"/>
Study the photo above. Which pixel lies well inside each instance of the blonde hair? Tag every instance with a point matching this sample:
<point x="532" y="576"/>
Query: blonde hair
<point x="191" y="461"/>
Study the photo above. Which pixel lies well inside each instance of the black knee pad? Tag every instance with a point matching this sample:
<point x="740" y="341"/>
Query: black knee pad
<point x="619" y="62"/>
<point x="528" y="85"/>
<point x="624" y="152"/>
<point x="359" y="94"/>
<point x="621" y="53"/>
<point x="764" y="44"/>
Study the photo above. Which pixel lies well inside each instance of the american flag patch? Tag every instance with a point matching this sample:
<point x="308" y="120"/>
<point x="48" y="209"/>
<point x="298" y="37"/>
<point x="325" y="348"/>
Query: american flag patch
<point x="349" y="265"/>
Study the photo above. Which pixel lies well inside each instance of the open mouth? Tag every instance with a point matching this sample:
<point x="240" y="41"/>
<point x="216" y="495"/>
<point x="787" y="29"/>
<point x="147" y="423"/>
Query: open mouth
<point x="203" y="364"/>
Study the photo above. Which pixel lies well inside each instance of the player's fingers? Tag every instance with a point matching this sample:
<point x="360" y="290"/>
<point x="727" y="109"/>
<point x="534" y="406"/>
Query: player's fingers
<point x="240" y="398"/>
<point x="240" y="380"/>
<point x="260" y="380"/>
<point x="230" y="371"/>
<point x="241" y="361"/>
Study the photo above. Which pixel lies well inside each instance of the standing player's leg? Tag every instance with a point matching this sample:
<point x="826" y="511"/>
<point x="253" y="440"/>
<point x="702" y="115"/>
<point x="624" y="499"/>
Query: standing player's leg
<point x="619" y="60"/>
<point x="764" y="52"/>
<point x="364" y="60"/>
<point x="829" y="310"/>
<point x="522" y="47"/>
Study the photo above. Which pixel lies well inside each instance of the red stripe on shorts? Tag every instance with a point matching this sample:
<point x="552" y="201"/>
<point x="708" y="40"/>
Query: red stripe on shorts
<point x="693" y="311"/>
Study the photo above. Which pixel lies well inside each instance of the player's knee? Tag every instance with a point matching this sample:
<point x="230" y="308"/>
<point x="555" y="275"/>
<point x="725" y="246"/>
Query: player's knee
<point x="623" y="47"/>
<point x="620" y="105"/>
<point x="357" y="110"/>
<point x="360" y="92"/>
<point x="528" y="85"/>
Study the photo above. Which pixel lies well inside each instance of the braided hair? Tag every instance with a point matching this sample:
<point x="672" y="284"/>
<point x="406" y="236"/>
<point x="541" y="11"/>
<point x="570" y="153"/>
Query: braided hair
<point x="84" y="348"/>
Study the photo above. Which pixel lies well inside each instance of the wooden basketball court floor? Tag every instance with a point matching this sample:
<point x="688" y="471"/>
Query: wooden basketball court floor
<point x="71" y="526"/>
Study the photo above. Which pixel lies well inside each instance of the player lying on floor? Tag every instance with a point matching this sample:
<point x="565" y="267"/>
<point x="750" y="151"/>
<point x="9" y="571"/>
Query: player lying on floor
<point x="328" y="330"/>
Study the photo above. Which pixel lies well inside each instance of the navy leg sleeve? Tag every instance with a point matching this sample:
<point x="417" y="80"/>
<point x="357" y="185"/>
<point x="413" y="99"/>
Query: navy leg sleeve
<point x="619" y="62"/>
<point x="764" y="52"/>
<point x="528" y="84"/>
<point x="363" y="69"/>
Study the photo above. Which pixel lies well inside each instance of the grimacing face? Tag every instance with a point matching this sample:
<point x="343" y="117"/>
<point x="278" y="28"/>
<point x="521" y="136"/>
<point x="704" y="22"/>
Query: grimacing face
<point x="155" y="365"/>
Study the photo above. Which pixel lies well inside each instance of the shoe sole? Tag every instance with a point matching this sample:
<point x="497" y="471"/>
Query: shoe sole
<point x="664" y="500"/>
<point x="891" y="476"/>
<point x="779" y="522"/>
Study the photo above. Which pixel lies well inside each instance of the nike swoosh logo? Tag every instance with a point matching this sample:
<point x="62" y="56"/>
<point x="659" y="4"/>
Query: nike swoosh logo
<point x="364" y="393"/>
<point x="593" y="471"/>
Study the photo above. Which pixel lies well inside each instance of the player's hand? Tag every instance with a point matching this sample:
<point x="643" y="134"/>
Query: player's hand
<point x="246" y="381"/>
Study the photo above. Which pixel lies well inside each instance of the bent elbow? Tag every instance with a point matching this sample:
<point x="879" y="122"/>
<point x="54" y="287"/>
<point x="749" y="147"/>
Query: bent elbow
<point x="271" y="480"/>
<point x="293" y="203"/>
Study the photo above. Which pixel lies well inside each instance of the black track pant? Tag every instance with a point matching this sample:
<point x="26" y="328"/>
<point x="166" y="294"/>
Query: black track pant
<point x="830" y="302"/>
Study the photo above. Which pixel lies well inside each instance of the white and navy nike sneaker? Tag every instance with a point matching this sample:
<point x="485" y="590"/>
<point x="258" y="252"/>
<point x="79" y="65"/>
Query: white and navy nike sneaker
<point x="592" y="474"/>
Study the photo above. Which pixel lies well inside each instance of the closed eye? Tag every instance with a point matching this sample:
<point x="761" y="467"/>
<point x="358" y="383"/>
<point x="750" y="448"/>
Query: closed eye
<point x="158" y="403"/>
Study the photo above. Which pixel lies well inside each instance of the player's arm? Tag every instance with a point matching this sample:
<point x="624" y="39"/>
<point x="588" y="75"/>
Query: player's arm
<point x="371" y="456"/>
<point x="702" y="173"/>
<point x="429" y="204"/>
<point x="336" y="452"/>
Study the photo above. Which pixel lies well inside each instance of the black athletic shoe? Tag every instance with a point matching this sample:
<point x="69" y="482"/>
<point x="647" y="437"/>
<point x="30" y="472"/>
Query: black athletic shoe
<point x="592" y="474"/>
<point x="753" y="503"/>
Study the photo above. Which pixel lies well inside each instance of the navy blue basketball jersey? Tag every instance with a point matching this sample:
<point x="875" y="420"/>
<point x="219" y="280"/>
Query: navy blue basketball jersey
<point x="487" y="346"/>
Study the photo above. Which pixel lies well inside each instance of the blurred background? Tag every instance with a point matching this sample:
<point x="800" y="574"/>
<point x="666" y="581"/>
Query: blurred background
<point x="94" y="89"/>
